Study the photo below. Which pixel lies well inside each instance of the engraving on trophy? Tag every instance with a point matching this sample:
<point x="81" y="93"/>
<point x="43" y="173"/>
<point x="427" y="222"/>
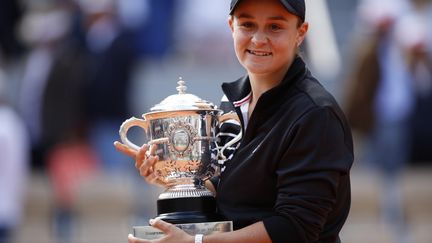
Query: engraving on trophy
<point x="192" y="166"/>
<point x="181" y="138"/>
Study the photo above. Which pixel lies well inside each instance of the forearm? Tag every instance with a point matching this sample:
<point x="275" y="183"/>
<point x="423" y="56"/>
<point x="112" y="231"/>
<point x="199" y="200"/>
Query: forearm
<point x="255" y="233"/>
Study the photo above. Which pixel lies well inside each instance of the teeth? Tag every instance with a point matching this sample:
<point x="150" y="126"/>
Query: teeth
<point x="263" y="54"/>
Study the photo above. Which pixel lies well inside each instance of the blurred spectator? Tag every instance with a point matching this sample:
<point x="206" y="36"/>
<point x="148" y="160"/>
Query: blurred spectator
<point x="51" y="99"/>
<point x="111" y="55"/>
<point x="10" y="15"/>
<point x="382" y="96"/>
<point x="14" y="159"/>
<point x="11" y="48"/>
<point x="53" y="105"/>
<point x="69" y="165"/>
<point x="420" y="63"/>
<point x="156" y="35"/>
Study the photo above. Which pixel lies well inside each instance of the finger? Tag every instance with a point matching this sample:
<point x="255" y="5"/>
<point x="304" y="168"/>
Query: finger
<point x="132" y="239"/>
<point x="162" y="225"/>
<point x="155" y="180"/>
<point x="141" y="155"/>
<point x="152" y="178"/>
<point x="147" y="166"/>
<point x="153" y="149"/>
<point x="152" y="161"/>
<point x="125" y="149"/>
<point x="160" y="182"/>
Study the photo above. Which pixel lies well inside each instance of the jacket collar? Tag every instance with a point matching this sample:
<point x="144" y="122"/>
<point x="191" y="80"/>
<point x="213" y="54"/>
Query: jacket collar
<point x="270" y="101"/>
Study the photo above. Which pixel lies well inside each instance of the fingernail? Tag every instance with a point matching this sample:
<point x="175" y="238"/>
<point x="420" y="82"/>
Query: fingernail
<point x="130" y="236"/>
<point x="151" y="221"/>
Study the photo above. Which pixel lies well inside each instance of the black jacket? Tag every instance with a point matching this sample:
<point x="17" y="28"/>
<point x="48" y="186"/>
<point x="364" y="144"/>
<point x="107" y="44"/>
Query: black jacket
<point x="291" y="168"/>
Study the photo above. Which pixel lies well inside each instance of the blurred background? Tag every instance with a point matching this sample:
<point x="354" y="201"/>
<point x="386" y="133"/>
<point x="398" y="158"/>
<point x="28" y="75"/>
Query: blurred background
<point x="72" y="70"/>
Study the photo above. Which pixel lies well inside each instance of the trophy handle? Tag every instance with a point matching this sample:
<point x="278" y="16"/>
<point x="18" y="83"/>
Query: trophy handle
<point x="230" y="116"/>
<point x="124" y="128"/>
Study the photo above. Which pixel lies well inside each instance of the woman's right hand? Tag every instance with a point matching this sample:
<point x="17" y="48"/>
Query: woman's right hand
<point x="145" y="161"/>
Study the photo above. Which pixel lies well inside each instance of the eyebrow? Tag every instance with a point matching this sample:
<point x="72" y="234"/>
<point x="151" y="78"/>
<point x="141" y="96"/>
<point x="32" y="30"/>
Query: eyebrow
<point x="248" y="16"/>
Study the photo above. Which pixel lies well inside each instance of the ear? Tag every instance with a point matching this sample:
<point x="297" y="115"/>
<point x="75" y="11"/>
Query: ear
<point x="302" y="30"/>
<point x="231" y="23"/>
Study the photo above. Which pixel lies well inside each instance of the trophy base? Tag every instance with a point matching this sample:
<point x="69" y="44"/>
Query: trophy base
<point x="194" y="215"/>
<point x="188" y="210"/>
<point x="207" y="228"/>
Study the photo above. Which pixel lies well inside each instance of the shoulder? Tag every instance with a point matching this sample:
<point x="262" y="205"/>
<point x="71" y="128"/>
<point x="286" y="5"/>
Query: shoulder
<point x="313" y="96"/>
<point x="313" y="90"/>
<point x="309" y="105"/>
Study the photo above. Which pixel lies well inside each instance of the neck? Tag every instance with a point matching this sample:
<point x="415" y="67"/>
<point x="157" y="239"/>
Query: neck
<point x="261" y="83"/>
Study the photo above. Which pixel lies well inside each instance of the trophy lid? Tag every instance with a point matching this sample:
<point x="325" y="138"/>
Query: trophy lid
<point x="182" y="101"/>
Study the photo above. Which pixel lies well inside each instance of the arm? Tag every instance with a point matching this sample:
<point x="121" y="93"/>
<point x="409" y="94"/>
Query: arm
<point x="310" y="175"/>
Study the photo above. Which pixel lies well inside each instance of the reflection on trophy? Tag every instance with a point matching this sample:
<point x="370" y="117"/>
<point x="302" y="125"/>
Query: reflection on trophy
<point x="184" y="129"/>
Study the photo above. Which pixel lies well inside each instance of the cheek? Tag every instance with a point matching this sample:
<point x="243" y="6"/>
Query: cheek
<point x="285" y="45"/>
<point x="240" y="42"/>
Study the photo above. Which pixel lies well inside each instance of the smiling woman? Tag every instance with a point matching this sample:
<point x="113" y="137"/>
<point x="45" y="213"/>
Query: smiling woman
<point x="266" y="38"/>
<point x="288" y="179"/>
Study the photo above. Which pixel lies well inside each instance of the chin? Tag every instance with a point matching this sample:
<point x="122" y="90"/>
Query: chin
<point x="257" y="69"/>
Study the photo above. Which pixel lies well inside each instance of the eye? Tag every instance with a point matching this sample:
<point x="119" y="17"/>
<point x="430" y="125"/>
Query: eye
<point x="275" y="27"/>
<point x="247" y="25"/>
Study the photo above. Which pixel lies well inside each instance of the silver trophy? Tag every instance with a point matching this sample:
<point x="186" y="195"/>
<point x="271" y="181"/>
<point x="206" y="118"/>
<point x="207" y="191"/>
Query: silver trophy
<point x="183" y="127"/>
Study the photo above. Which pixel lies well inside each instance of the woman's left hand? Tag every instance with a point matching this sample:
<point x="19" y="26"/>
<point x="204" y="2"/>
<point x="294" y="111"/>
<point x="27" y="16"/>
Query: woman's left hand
<point x="172" y="234"/>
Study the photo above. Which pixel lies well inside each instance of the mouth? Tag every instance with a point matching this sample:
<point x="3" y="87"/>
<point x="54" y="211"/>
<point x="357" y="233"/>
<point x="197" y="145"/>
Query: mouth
<point x="259" y="53"/>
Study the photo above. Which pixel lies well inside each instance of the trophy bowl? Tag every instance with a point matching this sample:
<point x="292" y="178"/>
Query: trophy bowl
<point x="183" y="127"/>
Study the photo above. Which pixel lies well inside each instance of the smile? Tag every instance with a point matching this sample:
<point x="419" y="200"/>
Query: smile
<point x="259" y="53"/>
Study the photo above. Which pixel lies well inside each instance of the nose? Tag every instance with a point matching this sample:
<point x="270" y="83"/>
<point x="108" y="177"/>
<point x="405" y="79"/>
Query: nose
<point x="259" y="38"/>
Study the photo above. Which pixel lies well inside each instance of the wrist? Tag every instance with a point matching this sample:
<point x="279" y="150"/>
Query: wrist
<point x="199" y="238"/>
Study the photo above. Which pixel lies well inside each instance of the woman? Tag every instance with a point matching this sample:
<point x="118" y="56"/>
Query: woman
<point x="288" y="180"/>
